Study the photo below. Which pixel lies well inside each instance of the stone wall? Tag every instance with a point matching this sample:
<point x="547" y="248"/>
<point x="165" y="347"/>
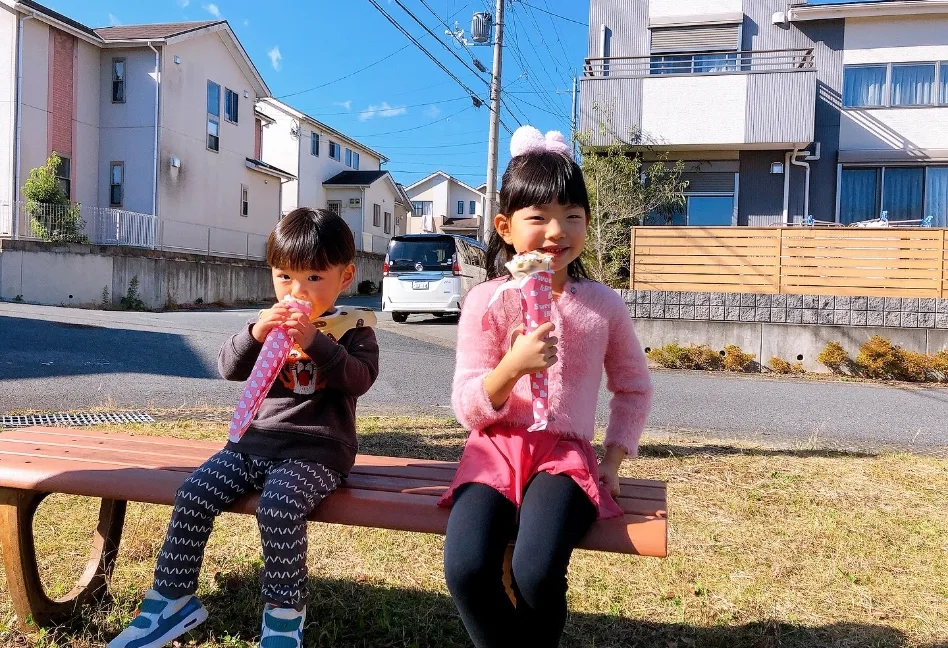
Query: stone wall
<point x="825" y="310"/>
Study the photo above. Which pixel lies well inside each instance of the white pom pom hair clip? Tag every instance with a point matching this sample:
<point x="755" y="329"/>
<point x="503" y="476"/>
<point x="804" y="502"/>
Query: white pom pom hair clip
<point x="528" y="139"/>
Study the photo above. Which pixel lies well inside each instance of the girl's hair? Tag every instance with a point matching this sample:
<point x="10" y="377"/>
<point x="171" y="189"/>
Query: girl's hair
<point x="310" y="239"/>
<point x="532" y="180"/>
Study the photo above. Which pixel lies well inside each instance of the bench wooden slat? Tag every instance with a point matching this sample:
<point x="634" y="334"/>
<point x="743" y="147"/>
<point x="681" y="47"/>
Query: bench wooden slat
<point x="385" y="492"/>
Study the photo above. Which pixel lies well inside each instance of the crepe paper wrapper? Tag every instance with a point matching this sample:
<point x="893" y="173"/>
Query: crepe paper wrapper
<point x="532" y="275"/>
<point x="276" y="349"/>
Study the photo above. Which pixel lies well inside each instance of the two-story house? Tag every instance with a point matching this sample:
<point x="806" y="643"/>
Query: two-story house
<point x="154" y="125"/>
<point x="442" y="203"/>
<point x="334" y="172"/>
<point x="779" y="108"/>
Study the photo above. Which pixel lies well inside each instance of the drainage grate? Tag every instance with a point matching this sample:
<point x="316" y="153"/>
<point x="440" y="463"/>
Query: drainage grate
<point x="73" y="420"/>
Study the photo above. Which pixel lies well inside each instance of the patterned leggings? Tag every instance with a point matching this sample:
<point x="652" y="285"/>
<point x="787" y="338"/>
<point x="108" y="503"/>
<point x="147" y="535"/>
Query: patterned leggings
<point x="290" y="491"/>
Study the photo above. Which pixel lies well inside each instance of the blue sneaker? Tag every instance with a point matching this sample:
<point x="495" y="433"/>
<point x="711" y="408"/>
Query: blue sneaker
<point x="282" y="627"/>
<point x="160" y="620"/>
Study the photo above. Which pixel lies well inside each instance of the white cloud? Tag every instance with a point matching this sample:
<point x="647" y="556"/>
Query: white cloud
<point x="275" y="57"/>
<point x="113" y="20"/>
<point x="382" y="110"/>
<point x="347" y="104"/>
<point x="432" y="111"/>
<point x="213" y="10"/>
<point x="183" y="3"/>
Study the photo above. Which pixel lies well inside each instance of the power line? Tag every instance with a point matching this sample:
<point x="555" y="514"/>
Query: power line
<point x="555" y="15"/>
<point x="526" y="68"/>
<point x="556" y="32"/>
<point x="435" y="36"/>
<point x="547" y="46"/>
<point x="342" y="78"/>
<point x="434" y="13"/>
<point x="419" y="105"/>
<point x="413" y="128"/>
<point x="477" y="100"/>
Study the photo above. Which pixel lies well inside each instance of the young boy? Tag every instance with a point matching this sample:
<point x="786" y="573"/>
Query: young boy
<point x="298" y="448"/>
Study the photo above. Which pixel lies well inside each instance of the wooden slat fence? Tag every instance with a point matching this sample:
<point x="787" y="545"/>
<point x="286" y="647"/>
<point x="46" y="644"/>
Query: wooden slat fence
<point x="907" y="262"/>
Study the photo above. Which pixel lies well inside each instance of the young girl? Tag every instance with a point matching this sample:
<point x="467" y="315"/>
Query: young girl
<point x="543" y="488"/>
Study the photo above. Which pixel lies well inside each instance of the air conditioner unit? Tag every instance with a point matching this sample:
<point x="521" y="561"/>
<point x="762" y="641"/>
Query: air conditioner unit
<point x="355" y="202"/>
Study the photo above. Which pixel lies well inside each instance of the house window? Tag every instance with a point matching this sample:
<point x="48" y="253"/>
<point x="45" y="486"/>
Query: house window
<point x="314" y="144"/>
<point x="118" y="80"/>
<point x="460" y="208"/>
<point x="244" y="200"/>
<point x="348" y="157"/>
<point x="335" y="152"/>
<point x="864" y="86"/>
<point x="335" y="207"/>
<point x="230" y="105"/>
<point x="355" y="161"/>
<point x="913" y="85"/>
<point x="472" y="208"/>
<point x="377" y="215"/>
<point x="63" y="173"/>
<point x="671" y="46"/>
<point x="116" y="184"/>
<point x="904" y="193"/>
<point x="422" y="208"/>
<point x="213" y="134"/>
<point x="388" y="223"/>
<point x="943" y="95"/>
<point x="213" y="116"/>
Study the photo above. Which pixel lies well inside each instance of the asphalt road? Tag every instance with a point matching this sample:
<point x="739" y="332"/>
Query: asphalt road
<point x="55" y="359"/>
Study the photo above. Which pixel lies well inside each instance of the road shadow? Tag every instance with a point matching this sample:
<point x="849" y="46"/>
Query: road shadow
<point x="31" y="348"/>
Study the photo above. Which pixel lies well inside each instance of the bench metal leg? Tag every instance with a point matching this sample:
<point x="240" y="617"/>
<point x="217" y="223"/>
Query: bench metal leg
<point x="33" y="606"/>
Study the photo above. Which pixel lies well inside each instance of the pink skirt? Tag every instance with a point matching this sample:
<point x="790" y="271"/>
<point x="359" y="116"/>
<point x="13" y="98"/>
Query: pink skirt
<point x="507" y="458"/>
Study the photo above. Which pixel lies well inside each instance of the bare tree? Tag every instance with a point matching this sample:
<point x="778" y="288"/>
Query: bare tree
<point x="625" y="190"/>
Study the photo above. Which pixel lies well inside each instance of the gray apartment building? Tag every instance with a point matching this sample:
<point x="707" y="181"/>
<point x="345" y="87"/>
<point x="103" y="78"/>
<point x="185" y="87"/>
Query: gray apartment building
<point x="779" y="108"/>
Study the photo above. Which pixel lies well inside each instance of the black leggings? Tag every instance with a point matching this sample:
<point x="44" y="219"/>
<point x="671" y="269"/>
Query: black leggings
<point x="554" y="516"/>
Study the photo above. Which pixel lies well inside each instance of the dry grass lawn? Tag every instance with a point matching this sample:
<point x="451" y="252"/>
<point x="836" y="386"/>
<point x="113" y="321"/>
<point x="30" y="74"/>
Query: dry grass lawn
<point x="768" y="547"/>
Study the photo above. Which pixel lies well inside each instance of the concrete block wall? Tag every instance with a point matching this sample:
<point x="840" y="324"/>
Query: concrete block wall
<point x="75" y="275"/>
<point x="825" y="310"/>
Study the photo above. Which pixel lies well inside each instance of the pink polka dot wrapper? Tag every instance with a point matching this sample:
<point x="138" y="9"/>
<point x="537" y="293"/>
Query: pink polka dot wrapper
<point x="276" y="348"/>
<point x="532" y="272"/>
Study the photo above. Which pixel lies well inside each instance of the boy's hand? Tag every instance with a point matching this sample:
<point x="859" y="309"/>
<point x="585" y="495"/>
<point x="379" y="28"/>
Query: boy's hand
<point x="268" y="320"/>
<point x="300" y="328"/>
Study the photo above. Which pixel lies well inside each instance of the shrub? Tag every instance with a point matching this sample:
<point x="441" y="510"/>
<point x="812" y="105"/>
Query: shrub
<point x="940" y="365"/>
<point x="675" y="356"/>
<point x="735" y="359"/>
<point x="366" y="287"/>
<point x="780" y="366"/>
<point x="879" y="358"/>
<point x="52" y="217"/>
<point x="132" y="300"/>
<point x="834" y="357"/>
<point x="915" y="366"/>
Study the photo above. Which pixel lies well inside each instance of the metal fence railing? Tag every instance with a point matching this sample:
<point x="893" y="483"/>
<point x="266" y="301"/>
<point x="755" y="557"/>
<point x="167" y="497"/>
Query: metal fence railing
<point x="695" y="63"/>
<point x="77" y="223"/>
<point x="103" y="226"/>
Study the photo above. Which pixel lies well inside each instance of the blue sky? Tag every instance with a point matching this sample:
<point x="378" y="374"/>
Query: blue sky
<point x="404" y="107"/>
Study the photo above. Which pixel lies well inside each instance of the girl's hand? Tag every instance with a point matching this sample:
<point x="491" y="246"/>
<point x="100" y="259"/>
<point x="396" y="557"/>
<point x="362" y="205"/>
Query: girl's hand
<point x="531" y="352"/>
<point x="268" y="320"/>
<point x="609" y="469"/>
<point x="300" y="328"/>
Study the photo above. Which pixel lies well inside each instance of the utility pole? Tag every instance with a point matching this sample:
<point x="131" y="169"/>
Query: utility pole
<point x="573" y="122"/>
<point x="493" y="137"/>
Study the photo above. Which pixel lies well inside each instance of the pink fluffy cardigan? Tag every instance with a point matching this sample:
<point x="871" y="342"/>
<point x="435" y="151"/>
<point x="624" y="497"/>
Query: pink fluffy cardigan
<point x="595" y="332"/>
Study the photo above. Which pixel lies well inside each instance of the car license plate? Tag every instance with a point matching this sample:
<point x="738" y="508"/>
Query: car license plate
<point x="419" y="285"/>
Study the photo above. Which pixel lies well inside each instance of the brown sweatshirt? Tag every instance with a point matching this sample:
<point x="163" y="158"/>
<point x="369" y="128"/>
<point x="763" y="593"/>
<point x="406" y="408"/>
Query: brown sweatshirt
<point x="309" y="413"/>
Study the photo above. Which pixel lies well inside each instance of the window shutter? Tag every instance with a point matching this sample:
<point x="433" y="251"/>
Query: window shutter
<point x="695" y="38"/>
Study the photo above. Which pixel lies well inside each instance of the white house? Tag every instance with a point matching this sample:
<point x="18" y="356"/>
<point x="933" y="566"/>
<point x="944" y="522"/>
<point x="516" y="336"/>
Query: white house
<point x="154" y="126"/>
<point x="442" y="203"/>
<point x="333" y="172"/>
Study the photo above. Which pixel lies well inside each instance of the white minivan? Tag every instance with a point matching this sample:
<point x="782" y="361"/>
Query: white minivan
<point x="430" y="273"/>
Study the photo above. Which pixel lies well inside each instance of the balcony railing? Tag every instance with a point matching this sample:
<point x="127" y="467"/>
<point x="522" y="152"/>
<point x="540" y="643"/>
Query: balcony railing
<point x="700" y="63"/>
<point x="77" y="224"/>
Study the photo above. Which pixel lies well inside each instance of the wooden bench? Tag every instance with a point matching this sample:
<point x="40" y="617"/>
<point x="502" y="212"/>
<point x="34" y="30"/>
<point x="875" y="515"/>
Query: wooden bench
<point x="381" y="492"/>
